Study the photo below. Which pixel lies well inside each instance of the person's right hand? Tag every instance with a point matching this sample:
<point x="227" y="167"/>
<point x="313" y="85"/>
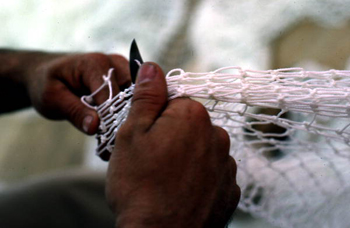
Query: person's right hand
<point x="171" y="167"/>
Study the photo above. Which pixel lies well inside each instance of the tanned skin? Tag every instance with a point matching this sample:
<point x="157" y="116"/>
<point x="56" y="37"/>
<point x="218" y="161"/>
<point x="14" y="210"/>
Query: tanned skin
<point x="170" y="167"/>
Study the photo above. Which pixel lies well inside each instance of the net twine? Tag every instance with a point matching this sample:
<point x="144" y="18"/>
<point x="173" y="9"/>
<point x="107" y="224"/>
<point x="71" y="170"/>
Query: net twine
<point x="289" y="131"/>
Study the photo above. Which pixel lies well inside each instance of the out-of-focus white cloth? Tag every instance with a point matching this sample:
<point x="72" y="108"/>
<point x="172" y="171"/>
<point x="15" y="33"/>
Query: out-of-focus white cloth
<point x="220" y="33"/>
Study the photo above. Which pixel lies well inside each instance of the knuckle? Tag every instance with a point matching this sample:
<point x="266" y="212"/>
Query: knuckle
<point x="91" y="60"/>
<point x="175" y="107"/>
<point x="198" y="110"/>
<point x="233" y="169"/>
<point x="120" y="59"/>
<point x="224" y="137"/>
<point x="233" y="165"/>
<point x="170" y="112"/>
<point x="97" y="57"/>
<point x="222" y="141"/>
<point x="188" y="110"/>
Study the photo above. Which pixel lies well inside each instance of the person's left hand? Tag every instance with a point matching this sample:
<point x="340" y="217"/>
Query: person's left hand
<point x="56" y="85"/>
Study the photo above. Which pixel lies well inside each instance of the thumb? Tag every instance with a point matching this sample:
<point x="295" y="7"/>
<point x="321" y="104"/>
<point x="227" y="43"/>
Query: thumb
<point x="150" y="96"/>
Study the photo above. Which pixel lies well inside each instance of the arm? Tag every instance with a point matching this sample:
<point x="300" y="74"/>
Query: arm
<point x="170" y="167"/>
<point x="54" y="82"/>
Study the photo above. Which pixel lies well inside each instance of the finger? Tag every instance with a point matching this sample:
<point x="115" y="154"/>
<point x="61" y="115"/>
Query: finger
<point x="92" y="67"/>
<point x="186" y="110"/>
<point x="99" y="65"/>
<point x="233" y="168"/>
<point x="223" y="141"/>
<point x="121" y="75"/>
<point x="150" y="96"/>
<point x="188" y="107"/>
<point x="235" y="189"/>
<point x="70" y="106"/>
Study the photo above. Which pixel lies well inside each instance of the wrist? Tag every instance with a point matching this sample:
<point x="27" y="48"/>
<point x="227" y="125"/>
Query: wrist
<point x="15" y="71"/>
<point x="34" y="62"/>
<point x="17" y="65"/>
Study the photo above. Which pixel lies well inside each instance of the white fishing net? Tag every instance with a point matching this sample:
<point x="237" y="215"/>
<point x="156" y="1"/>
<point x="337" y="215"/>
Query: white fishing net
<point x="289" y="131"/>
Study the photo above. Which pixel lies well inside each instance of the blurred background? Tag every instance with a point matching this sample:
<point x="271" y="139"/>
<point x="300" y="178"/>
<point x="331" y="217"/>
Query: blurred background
<point x="196" y="35"/>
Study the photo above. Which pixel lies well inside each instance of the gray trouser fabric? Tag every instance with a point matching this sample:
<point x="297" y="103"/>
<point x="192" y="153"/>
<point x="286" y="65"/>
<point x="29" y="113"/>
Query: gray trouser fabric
<point x="66" y="200"/>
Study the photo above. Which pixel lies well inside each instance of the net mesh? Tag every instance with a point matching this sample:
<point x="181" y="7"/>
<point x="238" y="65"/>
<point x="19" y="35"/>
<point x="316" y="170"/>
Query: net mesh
<point x="289" y="131"/>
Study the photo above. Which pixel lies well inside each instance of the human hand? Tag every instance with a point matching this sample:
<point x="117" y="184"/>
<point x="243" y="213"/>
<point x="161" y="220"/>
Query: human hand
<point x="170" y="167"/>
<point x="56" y="84"/>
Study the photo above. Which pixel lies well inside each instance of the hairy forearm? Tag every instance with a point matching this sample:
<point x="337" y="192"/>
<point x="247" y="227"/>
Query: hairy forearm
<point x="15" y="66"/>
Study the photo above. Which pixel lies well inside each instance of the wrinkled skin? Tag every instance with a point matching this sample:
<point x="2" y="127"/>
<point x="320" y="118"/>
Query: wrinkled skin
<point x="56" y="85"/>
<point x="170" y="167"/>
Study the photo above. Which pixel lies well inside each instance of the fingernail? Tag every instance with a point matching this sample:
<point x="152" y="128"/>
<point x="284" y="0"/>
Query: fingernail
<point x="86" y="123"/>
<point x="146" y="73"/>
